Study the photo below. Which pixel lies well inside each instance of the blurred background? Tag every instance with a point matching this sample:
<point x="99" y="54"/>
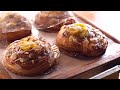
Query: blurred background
<point x="106" y="20"/>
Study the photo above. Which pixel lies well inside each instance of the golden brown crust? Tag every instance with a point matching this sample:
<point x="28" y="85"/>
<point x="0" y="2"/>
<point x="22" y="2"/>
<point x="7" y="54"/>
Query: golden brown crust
<point x="94" y="44"/>
<point x="12" y="36"/>
<point x="52" y="21"/>
<point x="14" y="26"/>
<point x="30" y="56"/>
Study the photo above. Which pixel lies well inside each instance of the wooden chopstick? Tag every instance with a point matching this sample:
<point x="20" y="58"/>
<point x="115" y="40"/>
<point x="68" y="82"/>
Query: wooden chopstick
<point x="94" y="25"/>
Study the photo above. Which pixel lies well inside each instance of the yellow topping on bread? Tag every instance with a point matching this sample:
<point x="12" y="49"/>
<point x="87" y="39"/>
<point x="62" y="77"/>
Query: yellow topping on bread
<point x="26" y="44"/>
<point x="78" y="29"/>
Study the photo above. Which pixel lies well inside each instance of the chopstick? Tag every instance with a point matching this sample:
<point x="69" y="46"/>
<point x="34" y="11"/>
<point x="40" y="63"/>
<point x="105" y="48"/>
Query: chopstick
<point x="94" y="25"/>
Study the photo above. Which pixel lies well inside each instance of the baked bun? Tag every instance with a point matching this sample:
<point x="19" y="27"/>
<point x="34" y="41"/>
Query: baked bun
<point x="51" y="21"/>
<point x="80" y="39"/>
<point x="30" y="56"/>
<point x="14" y="26"/>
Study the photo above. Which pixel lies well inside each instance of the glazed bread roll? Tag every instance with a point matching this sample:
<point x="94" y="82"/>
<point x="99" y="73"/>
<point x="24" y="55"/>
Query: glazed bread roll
<point x="80" y="39"/>
<point x="13" y="26"/>
<point x="52" y="21"/>
<point x="30" y="56"/>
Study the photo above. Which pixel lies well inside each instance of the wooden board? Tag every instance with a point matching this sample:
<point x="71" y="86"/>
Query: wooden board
<point x="68" y="66"/>
<point x="3" y="73"/>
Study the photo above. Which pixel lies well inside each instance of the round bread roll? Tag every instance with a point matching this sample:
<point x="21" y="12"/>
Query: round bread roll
<point x="80" y="39"/>
<point x="51" y="21"/>
<point x="14" y="26"/>
<point x="30" y="56"/>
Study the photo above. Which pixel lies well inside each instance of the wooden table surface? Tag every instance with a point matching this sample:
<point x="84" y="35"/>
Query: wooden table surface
<point x="108" y="21"/>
